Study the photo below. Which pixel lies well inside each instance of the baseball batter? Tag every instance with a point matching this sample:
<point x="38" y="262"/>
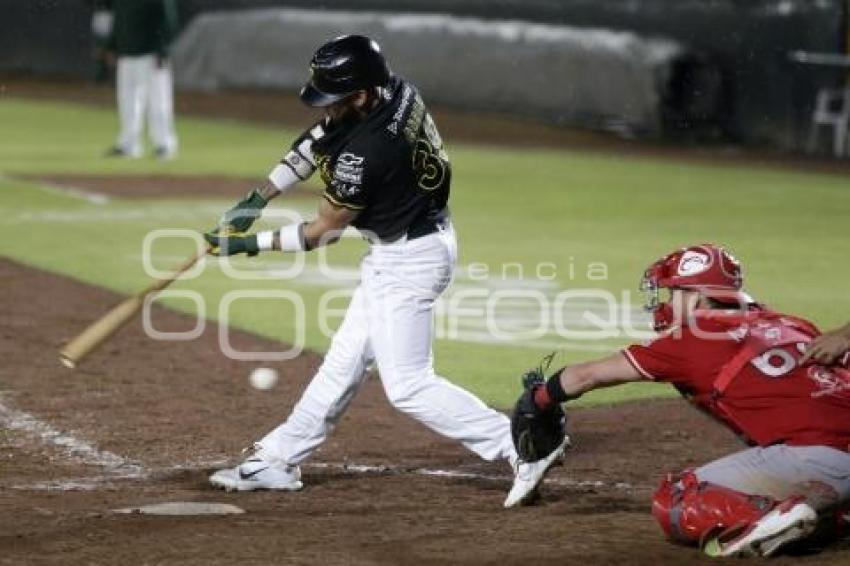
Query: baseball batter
<point x="741" y="363"/>
<point x="386" y="173"/>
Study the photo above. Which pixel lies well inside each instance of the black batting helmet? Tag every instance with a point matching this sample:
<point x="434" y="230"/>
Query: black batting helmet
<point x="343" y="66"/>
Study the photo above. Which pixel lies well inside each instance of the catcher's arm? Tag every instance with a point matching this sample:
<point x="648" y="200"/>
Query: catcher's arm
<point x="538" y="423"/>
<point x="580" y="378"/>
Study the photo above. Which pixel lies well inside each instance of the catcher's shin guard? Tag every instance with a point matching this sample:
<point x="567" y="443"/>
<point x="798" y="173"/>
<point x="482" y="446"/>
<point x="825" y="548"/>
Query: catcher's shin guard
<point x="689" y="511"/>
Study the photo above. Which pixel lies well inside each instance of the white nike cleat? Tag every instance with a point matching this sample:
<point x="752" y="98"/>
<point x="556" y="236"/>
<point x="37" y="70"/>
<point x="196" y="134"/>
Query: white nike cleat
<point x="791" y="520"/>
<point x="258" y="473"/>
<point x="528" y="475"/>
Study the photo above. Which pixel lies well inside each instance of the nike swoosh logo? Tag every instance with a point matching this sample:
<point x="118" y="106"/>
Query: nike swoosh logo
<point x="244" y="476"/>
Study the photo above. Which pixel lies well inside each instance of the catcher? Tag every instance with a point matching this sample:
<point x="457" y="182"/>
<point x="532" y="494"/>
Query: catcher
<point x="741" y="363"/>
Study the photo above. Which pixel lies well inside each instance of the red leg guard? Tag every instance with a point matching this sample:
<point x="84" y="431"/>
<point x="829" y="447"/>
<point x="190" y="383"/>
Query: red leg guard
<point x="689" y="510"/>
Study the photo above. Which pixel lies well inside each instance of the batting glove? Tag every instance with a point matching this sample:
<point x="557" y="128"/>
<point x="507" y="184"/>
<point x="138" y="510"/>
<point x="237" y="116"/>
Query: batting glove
<point x="232" y="243"/>
<point x="242" y="216"/>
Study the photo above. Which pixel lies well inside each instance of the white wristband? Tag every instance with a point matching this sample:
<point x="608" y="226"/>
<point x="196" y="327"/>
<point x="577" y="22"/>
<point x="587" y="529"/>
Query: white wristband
<point x="283" y="177"/>
<point x="292" y="238"/>
<point x="265" y="240"/>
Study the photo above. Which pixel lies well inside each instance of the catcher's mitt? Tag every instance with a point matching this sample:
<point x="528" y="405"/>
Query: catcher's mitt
<point x="536" y="433"/>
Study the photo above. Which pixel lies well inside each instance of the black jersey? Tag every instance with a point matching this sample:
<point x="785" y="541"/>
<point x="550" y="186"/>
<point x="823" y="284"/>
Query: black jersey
<point x="391" y="166"/>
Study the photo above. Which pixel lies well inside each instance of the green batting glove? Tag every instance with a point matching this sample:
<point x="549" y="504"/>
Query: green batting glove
<point x="232" y="243"/>
<point x="242" y="216"/>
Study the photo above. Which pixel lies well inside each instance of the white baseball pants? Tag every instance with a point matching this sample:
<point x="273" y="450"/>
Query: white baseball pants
<point x="390" y="321"/>
<point x="145" y="90"/>
<point x="820" y="473"/>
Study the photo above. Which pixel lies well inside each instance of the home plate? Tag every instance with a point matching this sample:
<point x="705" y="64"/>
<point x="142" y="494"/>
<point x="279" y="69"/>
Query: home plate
<point x="184" y="508"/>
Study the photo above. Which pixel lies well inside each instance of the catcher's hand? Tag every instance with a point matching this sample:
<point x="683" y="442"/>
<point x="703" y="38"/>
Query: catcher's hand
<point x="231" y="243"/>
<point x="828" y="348"/>
<point x="242" y="216"/>
<point x="536" y="433"/>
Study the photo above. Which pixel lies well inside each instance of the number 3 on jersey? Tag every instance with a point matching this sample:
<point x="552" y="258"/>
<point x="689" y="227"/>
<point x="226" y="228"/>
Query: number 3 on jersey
<point x="430" y="160"/>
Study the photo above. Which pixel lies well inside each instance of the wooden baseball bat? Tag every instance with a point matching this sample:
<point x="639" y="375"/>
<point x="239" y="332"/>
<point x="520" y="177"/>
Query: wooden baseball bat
<point x="100" y="330"/>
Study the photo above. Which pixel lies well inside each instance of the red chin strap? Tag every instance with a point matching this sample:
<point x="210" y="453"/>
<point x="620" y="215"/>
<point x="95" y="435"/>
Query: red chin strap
<point x="662" y="317"/>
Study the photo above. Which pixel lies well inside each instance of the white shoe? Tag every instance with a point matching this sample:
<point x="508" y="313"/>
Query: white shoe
<point x="528" y="475"/>
<point x="258" y="473"/>
<point x="789" y="521"/>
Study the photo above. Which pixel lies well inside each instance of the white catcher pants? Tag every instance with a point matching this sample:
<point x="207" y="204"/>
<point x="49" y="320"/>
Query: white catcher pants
<point x="145" y="90"/>
<point x="390" y="320"/>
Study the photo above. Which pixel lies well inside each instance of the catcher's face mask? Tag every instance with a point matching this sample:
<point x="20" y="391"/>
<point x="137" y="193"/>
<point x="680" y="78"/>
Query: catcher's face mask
<point x="662" y="312"/>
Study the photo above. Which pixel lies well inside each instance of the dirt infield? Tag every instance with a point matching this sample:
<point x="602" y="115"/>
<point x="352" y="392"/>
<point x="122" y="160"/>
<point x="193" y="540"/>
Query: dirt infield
<point x="146" y="421"/>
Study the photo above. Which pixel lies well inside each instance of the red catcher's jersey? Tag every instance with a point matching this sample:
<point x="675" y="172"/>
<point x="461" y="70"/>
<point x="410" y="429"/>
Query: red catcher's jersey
<point x="770" y="399"/>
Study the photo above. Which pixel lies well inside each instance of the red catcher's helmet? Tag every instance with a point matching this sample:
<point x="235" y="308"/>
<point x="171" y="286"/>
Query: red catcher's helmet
<point x="706" y="268"/>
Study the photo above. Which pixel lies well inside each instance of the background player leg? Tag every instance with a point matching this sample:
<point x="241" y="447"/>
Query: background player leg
<point x="161" y="111"/>
<point x="131" y="83"/>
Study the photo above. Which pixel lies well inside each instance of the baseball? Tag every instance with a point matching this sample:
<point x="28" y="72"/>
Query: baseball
<point x="263" y="378"/>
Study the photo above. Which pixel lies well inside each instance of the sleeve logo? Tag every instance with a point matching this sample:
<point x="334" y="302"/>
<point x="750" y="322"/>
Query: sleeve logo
<point x="349" y="168"/>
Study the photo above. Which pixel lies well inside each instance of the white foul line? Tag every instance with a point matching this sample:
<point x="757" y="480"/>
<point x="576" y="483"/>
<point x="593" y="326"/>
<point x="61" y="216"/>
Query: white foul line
<point x="82" y="194"/>
<point x="457" y="474"/>
<point x="106" y="482"/>
<point x="120" y="468"/>
<point x="76" y="449"/>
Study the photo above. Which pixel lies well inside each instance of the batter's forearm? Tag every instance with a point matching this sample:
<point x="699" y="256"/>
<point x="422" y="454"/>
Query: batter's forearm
<point x="325" y="229"/>
<point x="297" y="165"/>
<point x="287" y="239"/>
<point x="303" y="237"/>
<point x="268" y="191"/>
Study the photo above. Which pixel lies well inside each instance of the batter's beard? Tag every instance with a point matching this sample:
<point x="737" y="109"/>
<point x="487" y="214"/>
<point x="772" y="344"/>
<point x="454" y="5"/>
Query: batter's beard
<point x="351" y="114"/>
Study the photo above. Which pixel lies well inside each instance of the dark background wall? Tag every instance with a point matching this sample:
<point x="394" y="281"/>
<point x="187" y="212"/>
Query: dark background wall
<point x="767" y="98"/>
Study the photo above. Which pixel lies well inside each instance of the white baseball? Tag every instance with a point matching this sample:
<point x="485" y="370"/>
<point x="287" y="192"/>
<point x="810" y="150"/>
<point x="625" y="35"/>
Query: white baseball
<point x="263" y="378"/>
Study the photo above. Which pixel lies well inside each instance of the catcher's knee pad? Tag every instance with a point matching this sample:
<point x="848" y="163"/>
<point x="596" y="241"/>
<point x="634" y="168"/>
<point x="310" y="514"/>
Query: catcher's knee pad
<point x="689" y="510"/>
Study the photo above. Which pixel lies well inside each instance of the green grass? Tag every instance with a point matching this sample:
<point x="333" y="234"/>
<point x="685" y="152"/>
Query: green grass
<point x="521" y="206"/>
<point x="49" y="138"/>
